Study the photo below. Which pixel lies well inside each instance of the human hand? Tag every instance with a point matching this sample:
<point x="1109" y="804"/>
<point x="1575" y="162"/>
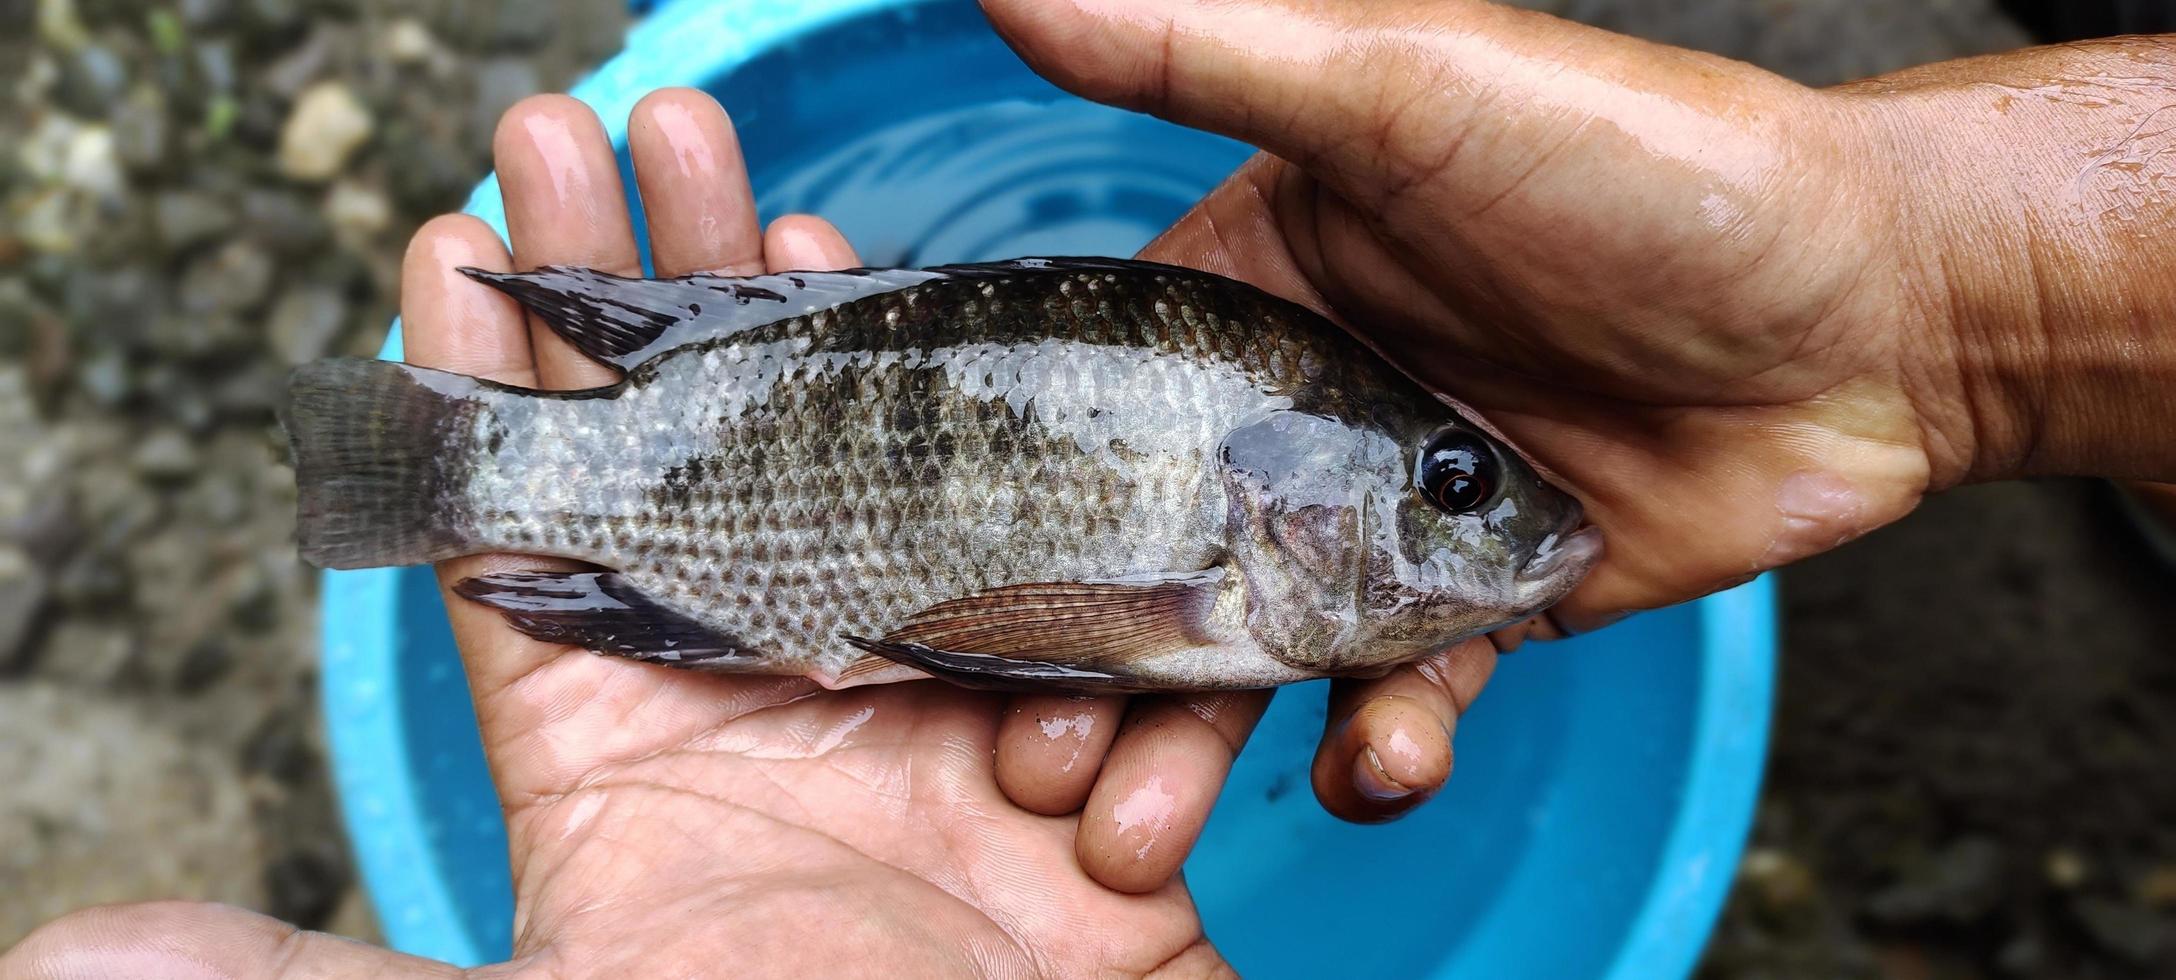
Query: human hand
<point x="1743" y="320"/>
<point x="662" y="823"/>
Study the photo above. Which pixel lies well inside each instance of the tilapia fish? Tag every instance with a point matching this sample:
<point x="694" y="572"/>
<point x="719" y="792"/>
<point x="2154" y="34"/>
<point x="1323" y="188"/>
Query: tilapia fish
<point x="1043" y="474"/>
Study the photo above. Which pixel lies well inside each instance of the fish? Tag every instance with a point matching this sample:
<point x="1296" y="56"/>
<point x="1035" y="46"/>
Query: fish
<point x="1071" y="475"/>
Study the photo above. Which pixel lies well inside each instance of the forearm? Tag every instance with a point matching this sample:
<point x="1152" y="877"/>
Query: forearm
<point x="2037" y="225"/>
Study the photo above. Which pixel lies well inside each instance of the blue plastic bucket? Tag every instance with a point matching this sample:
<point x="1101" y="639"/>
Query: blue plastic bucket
<point x="1604" y="786"/>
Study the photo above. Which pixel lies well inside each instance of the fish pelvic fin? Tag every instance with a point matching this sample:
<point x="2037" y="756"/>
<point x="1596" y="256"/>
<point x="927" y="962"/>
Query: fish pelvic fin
<point x="989" y="672"/>
<point x="603" y="612"/>
<point x="1054" y="636"/>
<point x="380" y="450"/>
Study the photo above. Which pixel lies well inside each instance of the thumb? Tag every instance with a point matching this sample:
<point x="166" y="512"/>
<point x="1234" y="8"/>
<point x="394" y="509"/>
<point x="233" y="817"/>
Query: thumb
<point x="1374" y="98"/>
<point x="1256" y="71"/>
<point x="197" y="940"/>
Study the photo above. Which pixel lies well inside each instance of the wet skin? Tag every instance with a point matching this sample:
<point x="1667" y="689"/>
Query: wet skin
<point x="1742" y="320"/>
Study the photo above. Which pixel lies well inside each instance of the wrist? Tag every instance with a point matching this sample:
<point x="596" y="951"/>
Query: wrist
<point x="2031" y="236"/>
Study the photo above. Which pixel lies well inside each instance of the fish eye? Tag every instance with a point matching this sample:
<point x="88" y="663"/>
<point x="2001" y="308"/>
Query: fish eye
<point x="1456" y="471"/>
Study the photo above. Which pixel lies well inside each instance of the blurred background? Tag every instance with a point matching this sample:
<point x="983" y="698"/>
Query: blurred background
<point x="1970" y="773"/>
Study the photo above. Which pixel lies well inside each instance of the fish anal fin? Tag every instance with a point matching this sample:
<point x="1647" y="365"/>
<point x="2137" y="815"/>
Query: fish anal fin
<point x="603" y="612"/>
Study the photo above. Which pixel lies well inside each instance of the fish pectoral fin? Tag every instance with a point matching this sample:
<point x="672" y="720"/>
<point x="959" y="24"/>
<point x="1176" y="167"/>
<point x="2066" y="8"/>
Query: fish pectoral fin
<point x="600" y="611"/>
<point x="1054" y="635"/>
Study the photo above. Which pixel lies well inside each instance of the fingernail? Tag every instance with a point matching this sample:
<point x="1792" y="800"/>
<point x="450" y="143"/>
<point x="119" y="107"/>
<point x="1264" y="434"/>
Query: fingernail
<point x="1373" y="781"/>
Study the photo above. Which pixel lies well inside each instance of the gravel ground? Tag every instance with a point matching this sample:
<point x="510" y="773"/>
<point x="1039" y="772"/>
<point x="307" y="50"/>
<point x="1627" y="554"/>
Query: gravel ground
<point x="196" y="196"/>
<point x="1969" y="771"/>
<point x="1970" y="775"/>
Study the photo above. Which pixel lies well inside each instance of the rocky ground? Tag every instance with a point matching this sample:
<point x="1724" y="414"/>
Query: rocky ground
<point x="197" y="195"/>
<point x="1969" y="774"/>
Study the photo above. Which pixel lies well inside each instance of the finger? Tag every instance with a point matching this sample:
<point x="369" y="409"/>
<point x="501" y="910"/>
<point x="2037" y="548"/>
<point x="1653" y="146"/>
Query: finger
<point x="1300" y="80"/>
<point x="1166" y="750"/>
<point x="456" y="324"/>
<point x="453" y="323"/>
<point x="549" y="712"/>
<point x="1387" y="745"/>
<point x="1375" y="97"/>
<point x="695" y="194"/>
<point x="1158" y="784"/>
<point x="564" y="206"/>
<point x="806" y="242"/>
<point x="1050" y="748"/>
<point x="1234" y="231"/>
<point x="198" y="939"/>
<point x="1546" y="627"/>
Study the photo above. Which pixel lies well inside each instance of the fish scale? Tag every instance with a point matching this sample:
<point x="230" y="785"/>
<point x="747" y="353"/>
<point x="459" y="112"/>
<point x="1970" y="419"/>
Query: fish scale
<point x="814" y="428"/>
<point x="1053" y="474"/>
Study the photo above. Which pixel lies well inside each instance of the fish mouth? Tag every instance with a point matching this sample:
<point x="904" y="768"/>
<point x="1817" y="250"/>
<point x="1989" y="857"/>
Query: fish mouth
<point x="1561" y="555"/>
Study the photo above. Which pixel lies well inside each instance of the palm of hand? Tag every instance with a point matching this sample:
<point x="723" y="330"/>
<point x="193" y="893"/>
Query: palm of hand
<point x="832" y="834"/>
<point x="658" y="817"/>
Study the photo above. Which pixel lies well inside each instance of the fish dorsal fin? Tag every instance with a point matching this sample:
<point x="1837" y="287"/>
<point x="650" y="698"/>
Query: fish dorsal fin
<point x="1055" y="635"/>
<point x="625" y="321"/>
<point x="1059" y="264"/>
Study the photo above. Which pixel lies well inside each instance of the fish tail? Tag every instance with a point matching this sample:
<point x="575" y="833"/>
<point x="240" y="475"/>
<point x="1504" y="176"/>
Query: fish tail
<point x="381" y="450"/>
